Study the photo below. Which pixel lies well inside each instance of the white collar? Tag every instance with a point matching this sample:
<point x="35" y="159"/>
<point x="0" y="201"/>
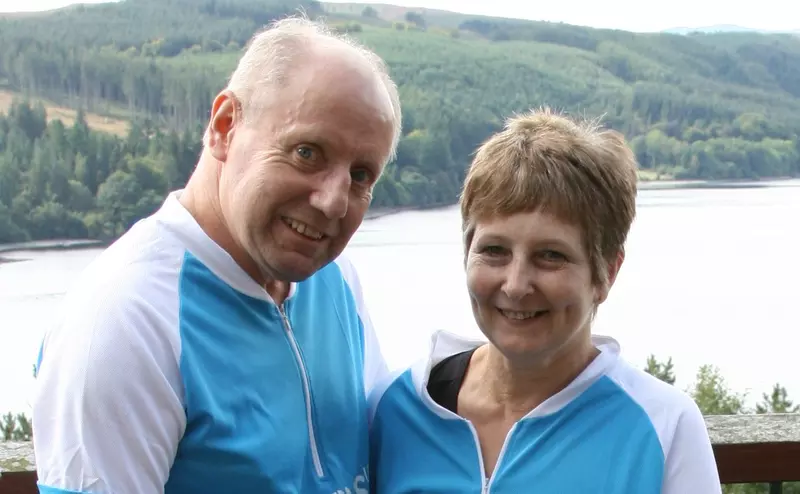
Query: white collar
<point x="444" y="344"/>
<point x="177" y="219"/>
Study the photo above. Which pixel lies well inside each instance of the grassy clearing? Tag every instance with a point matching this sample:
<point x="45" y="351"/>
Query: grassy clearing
<point x="67" y="115"/>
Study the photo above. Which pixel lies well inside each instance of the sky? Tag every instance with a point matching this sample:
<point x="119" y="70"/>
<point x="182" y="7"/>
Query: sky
<point x="630" y="15"/>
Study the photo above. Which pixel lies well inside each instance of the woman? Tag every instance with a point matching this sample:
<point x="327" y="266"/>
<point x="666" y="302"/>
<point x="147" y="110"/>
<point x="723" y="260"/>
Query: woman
<point x="542" y="406"/>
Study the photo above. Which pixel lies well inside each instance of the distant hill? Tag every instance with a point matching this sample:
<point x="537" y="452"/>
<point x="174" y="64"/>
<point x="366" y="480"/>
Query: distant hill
<point x="130" y="22"/>
<point x="726" y="28"/>
<point x="396" y="13"/>
<point x="721" y="105"/>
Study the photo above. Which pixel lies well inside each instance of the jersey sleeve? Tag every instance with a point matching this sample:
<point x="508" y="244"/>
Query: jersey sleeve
<point x="690" y="464"/>
<point x="107" y="412"/>
<point x="375" y="367"/>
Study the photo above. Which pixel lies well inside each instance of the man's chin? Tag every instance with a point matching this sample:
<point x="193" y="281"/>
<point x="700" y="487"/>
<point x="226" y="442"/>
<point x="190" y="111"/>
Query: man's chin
<point x="294" y="270"/>
<point x="297" y="276"/>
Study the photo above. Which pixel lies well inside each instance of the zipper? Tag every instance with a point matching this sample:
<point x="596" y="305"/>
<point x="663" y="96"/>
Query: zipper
<point x="484" y="479"/>
<point x="487" y="481"/>
<point x="306" y="391"/>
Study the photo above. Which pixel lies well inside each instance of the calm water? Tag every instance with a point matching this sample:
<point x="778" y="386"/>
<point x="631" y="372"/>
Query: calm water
<point x="711" y="276"/>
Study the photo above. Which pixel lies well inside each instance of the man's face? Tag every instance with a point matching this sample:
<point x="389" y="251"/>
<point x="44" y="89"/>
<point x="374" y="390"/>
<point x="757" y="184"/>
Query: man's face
<point x="297" y="178"/>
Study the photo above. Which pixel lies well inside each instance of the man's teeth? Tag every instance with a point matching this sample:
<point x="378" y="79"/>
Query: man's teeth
<point x="303" y="229"/>
<point x="515" y="314"/>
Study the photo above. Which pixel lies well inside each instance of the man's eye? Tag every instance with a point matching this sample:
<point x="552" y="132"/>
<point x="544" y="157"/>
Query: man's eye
<point x="359" y="176"/>
<point x="305" y="152"/>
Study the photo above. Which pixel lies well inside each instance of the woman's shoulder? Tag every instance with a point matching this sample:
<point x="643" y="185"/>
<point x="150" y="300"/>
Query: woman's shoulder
<point x="648" y="390"/>
<point x="397" y="391"/>
<point x="396" y="381"/>
<point x="667" y="407"/>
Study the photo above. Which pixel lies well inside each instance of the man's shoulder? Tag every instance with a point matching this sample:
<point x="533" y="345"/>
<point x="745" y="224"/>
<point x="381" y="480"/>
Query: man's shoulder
<point x="144" y="257"/>
<point x="126" y="298"/>
<point x="347" y="270"/>
<point x="135" y="276"/>
<point x="338" y="280"/>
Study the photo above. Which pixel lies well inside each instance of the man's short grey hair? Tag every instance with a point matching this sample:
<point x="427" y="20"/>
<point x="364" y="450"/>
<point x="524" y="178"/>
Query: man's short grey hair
<point x="268" y="59"/>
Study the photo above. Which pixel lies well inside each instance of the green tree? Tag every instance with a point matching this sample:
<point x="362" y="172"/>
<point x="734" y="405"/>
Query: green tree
<point x="16" y="427"/>
<point x="663" y="371"/>
<point x="777" y="402"/>
<point x="712" y="394"/>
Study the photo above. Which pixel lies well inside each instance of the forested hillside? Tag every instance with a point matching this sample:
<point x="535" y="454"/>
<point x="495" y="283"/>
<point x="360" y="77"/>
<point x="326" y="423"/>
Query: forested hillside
<point x="711" y="106"/>
<point x="71" y="182"/>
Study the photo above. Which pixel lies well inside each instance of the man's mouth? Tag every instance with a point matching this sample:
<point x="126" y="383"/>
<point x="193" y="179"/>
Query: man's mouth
<point x="519" y="315"/>
<point x="303" y="229"/>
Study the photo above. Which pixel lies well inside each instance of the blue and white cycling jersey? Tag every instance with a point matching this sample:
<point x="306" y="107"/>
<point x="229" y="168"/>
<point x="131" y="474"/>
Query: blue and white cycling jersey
<point x="614" y="430"/>
<point x="173" y="371"/>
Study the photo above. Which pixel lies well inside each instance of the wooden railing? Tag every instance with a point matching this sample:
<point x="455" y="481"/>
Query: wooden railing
<point x="17" y="468"/>
<point x="749" y="449"/>
<point x="754" y="449"/>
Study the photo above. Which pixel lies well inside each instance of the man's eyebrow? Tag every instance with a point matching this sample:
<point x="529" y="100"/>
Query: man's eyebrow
<point x="299" y="136"/>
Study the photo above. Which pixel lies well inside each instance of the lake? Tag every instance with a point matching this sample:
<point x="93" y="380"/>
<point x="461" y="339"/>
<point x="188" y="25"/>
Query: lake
<point x="710" y="277"/>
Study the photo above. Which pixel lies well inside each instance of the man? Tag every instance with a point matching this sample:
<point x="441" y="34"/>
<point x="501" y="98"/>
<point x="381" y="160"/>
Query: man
<point x="221" y="345"/>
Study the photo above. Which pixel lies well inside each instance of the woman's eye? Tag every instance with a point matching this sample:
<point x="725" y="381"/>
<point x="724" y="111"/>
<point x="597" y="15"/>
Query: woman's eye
<point x="493" y="250"/>
<point x="553" y="256"/>
<point x="305" y="152"/>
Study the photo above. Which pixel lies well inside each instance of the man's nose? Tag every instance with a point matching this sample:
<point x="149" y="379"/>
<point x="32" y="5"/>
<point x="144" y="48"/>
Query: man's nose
<point x="332" y="194"/>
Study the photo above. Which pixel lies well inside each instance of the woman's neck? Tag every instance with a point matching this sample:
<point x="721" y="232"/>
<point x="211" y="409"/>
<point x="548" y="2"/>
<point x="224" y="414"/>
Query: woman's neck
<point x="514" y="388"/>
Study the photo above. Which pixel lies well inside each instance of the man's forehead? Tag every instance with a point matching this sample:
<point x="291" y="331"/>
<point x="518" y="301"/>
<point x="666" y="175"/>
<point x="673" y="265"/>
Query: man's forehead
<point x="338" y="70"/>
<point x="334" y="99"/>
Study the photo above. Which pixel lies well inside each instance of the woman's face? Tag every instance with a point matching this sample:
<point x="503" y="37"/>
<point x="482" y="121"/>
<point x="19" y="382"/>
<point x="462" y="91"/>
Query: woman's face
<point x="530" y="283"/>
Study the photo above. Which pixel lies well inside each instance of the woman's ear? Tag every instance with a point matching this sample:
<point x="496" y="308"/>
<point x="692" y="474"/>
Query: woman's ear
<point x="612" y="268"/>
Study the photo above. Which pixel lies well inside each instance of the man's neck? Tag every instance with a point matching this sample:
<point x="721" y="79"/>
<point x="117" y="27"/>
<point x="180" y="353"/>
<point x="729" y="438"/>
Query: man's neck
<point x="278" y="291"/>
<point x="200" y="197"/>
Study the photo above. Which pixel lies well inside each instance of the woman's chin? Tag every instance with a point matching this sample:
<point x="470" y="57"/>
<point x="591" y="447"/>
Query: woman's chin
<point x="519" y="346"/>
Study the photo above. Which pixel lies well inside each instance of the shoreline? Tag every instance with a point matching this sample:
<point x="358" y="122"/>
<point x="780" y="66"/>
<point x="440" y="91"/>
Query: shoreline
<point x="381" y="212"/>
<point x="72" y="244"/>
<point x="54" y="244"/>
<point x="75" y="244"/>
<point x="712" y="184"/>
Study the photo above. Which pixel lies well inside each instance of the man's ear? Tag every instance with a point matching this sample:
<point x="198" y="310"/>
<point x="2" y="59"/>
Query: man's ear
<point x="613" y="270"/>
<point x="226" y="114"/>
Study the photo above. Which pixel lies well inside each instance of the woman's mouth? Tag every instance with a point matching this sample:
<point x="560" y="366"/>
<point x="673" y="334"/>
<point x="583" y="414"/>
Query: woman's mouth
<point x="518" y="315"/>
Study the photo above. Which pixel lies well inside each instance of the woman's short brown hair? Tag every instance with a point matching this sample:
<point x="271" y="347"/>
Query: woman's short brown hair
<point x="541" y="160"/>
